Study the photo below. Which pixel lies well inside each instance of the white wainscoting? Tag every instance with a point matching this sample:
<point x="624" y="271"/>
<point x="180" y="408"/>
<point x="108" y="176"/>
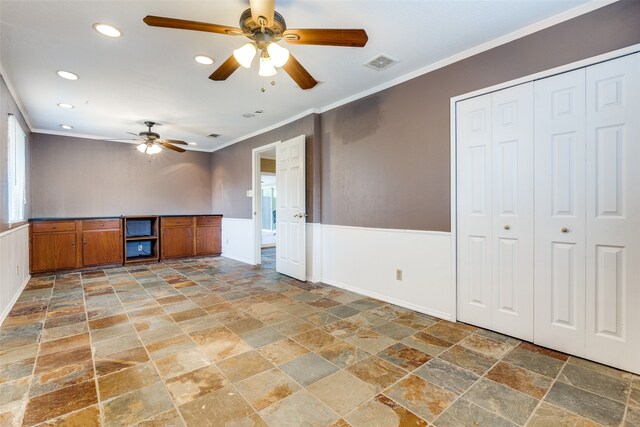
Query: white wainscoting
<point x="314" y="252"/>
<point x="14" y="267"/>
<point x="237" y="239"/>
<point x="364" y="260"/>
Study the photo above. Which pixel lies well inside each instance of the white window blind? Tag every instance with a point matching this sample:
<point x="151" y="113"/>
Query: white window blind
<point x="16" y="168"/>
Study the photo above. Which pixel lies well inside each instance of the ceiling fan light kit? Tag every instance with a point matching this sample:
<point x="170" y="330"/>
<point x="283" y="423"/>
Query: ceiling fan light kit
<point x="151" y="143"/>
<point x="245" y="54"/>
<point x="265" y="27"/>
<point x="266" y="67"/>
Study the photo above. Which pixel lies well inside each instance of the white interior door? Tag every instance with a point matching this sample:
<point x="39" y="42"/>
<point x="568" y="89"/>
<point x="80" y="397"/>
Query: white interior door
<point x="560" y="212"/>
<point x="291" y="257"/>
<point x="474" y="205"/>
<point x="613" y="213"/>
<point x="512" y="219"/>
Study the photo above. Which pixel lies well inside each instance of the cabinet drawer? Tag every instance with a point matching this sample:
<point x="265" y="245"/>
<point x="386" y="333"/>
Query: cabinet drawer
<point x="53" y="226"/>
<point x="208" y="220"/>
<point x="101" y="224"/>
<point x="177" y="221"/>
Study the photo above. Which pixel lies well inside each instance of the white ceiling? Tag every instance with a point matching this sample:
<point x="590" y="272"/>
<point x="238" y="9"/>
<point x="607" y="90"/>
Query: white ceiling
<point x="150" y="74"/>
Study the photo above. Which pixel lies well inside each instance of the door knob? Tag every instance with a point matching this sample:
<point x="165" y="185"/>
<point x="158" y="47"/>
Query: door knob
<point x="564" y="229"/>
<point x="507" y="227"/>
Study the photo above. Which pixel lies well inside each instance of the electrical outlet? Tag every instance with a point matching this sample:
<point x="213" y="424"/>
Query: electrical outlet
<point x="139" y="247"/>
<point x="226" y="241"/>
<point x="399" y="275"/>
<point x="17" y="270"/>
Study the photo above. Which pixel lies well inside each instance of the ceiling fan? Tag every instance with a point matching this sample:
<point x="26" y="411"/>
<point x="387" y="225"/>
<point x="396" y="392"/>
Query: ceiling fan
<point x="265" y="27"/>
<point x="151" y="143"/>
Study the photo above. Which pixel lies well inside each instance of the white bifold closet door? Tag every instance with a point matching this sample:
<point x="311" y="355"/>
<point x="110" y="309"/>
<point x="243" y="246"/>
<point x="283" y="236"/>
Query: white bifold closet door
<point x="560" y="212"/>
<point x="495" y="211"/>
<point x="613" y="213"/>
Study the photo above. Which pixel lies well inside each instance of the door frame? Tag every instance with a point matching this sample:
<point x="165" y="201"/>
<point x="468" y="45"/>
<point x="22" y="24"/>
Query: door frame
<point x="629" y="50"/>
<point x="256" y="203"/>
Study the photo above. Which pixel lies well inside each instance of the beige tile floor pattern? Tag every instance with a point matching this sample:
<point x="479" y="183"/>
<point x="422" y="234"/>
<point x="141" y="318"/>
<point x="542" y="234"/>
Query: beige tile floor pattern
<point x="214" y="342"/>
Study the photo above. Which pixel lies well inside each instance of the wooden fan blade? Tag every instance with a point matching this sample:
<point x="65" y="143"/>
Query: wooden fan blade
<point x="327" y="37"/>
<point x="172" y="141"/>
<point x="299" y="74"/>
<point x="171" y="147"/>
<point x="262" y="11"/>
<point x="226" y="69"/>
<point x="181" y="24"/>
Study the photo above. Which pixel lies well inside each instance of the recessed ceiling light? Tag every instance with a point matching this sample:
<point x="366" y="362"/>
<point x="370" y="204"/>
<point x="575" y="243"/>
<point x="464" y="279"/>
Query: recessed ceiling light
<point x="67" y="75"/>
<point x="193" y="143"/>
<point x="66" y="127"/>
<point x="202" y="59"/>
<point x="106" y="30"/>
<point x="63" y="105"/>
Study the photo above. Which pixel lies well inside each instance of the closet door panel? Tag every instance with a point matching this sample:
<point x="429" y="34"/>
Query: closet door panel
<point x="474" y="203"/>
<point x="512" y="220"/>
<point x="559" y="155"/>
<point x="613" y="213"/>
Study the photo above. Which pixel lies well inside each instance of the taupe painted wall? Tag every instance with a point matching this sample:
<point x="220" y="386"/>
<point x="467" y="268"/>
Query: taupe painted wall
<point x="83" y="177"/>
<point x="386" y="158"/>
<point x="8" y="106"/>
<point x="231" y="169"/>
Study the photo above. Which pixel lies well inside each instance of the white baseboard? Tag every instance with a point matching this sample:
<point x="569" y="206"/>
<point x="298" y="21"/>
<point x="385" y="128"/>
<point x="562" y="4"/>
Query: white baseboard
<point x="237" y="239"/>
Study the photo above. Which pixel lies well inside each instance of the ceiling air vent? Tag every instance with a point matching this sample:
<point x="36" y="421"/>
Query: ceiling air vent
<point x="380" y="62"/>
<point x="213" y="135"/>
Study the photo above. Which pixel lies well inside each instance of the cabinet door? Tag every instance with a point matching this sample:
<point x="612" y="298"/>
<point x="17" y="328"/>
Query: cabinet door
<point x="177" y="242"/>
<point x="207" y="240"/>
<point x="101" y="247"/>
<point x="53" y="251"/>
<point x="559" y="303"/>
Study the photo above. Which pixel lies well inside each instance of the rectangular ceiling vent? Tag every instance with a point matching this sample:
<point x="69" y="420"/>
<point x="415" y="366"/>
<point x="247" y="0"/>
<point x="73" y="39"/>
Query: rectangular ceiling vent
<point x="380" y="62"/>
<point x="213" y="135"/>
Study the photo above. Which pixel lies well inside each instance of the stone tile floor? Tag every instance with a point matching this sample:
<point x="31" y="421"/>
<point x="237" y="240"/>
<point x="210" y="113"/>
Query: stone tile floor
<point x="214" y="342"/>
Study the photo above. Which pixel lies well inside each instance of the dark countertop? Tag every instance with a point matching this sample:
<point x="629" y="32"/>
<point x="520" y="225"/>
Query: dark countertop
<point x="170" y="216"/>
<point x="111" y="217"/>
<point x="74" y="218"/>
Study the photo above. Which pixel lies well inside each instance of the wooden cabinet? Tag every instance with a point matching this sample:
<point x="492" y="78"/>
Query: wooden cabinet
<point x="69" y="244"/>
<point x="177" y="242"/>
<point x="53" y="251"/>
<point x="183" y="237"/>
<point x="101" y="242"/>
<point x="208" y="235"/>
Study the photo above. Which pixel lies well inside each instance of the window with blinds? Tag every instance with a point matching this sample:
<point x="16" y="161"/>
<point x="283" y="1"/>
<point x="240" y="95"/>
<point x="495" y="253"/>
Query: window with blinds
<point x="16" y="169"/>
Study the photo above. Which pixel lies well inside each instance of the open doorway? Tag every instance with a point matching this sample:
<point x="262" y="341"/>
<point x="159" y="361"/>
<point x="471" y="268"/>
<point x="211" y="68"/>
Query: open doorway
<point x="265" y="192"/>
<point x="268" y="196"/>
<point x="289" y="194"/>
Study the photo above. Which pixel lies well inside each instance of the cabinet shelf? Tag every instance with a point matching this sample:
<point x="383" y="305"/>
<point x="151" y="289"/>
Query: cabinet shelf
<point x="134" y="238"/>
<point x="141" y="239"/>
